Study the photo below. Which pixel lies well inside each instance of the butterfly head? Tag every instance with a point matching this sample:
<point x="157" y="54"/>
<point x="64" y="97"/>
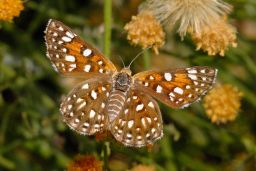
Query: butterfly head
<point x="127" y="71"/>
<point x="123" y="79"/>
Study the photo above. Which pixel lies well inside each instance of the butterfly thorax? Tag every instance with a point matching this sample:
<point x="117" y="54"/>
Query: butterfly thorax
<point x="118" y="95"/>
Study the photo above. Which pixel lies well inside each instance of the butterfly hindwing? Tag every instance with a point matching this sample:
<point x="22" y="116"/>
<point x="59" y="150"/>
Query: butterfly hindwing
<point x="140" y="122"/>
<point x="176" y="88"/>
<point x="70" y="55"/>
<point x="83" y="108"/>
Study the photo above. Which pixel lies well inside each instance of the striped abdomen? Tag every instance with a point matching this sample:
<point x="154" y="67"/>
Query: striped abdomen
<point x="115" y="104"/>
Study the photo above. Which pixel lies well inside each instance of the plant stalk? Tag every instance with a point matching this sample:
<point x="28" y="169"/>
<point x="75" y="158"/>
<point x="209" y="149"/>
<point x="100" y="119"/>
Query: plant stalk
<point x="107" y="26"/>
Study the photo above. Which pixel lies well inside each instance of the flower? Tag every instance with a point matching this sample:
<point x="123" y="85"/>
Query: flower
<point x="190" y="14"/>
<point x="143" y="168"/>
<point x="144" y="30"/>
<point x="85" y="162"/>
<point x="222" y="103"/>
<point x="215" y="39"/>
<point x="10" y="9"/>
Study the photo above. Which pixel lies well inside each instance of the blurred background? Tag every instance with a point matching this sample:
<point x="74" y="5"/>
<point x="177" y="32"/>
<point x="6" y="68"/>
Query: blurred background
<point x="33" y="136"/>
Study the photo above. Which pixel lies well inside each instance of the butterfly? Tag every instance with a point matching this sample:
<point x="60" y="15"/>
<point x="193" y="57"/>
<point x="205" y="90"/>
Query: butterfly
<point x="118" y="101"/>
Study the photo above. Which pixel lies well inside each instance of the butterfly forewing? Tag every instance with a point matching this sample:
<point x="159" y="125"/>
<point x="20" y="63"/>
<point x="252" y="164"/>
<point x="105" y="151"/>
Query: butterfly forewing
<point x="83" y="108"/>
<point x="140" y="122"/>
<point x="179" y="87"/>
<point x="70" y="55"/>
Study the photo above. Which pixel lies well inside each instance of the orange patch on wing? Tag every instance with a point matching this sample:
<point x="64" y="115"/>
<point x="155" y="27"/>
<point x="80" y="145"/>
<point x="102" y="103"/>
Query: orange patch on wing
<point x="74" y="46"/>
<point x="182" y="78"/>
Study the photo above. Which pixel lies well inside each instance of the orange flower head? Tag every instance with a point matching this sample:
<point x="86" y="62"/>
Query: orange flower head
<point x="10" y="9"/>
<point x="215" y="39"/>
<point x="144" y="30"/>
<point x="222" y="103"/>
<point x="85" y="162"/>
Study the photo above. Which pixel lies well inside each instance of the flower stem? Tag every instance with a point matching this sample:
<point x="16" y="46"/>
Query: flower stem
<point x="107" y="26"/>
<point x="146" y="57"/>
<point x="106" y="154"/>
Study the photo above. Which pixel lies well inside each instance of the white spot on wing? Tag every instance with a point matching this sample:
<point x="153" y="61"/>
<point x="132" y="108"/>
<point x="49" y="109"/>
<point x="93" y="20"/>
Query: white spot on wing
<point x="79" y="100"/>
<point x="150" y="104"/>
<point x="87" y="52"/>
<point x="64" y="50"/>
<point x="85" y="86"/>
<point x="73" y="66"/>
<point x="61" y="28"/>
<point x="143" y="121"/>
<point x="168" y="76"/>
<point x="92" y="114"/>
<point x="60" y="42"/>
<point x="159" y="89"/>
<point x="94" y="94"/>
<point x="66" y="39"/>
<point x="151" y="77"/>
<point x="87" y="68"/>
<point x="188" y="86"/>
<point x="69" y="107"/>
<point x="149" y="120"/>
<point x="192" y="71"/>
<point x="203" y="71"/>
<point x="193" y="77"/>
<point x="139" y="107"/>
<point x="130" y="123"/>
<point x="69" y="34"/>
<point x="178" y="90"/>
<point x="101" y="70"/>
<point x="129" y="135"/>
<point x="86" y="124"/>
<point x="103" y="105"/>
<point x="70" y="58"/>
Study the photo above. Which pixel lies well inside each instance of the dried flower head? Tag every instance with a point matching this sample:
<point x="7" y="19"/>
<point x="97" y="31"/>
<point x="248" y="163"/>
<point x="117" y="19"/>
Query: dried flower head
<point x="215" y="39"/>
<point x="143" y="168"/>
<point x="222" y="103"/>
<point x="144" y="30"/>
<point x="85" y="162"/>
<point x="190" y="14"/>
<point x="10" y="9"/>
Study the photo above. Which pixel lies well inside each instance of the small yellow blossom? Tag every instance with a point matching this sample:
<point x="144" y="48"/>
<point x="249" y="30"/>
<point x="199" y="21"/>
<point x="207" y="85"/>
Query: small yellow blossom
<point x="143" y="168"/>
<point x="85" y="162"/>
<point x="144" y="30"/>
<point x="215" y="39"/>
<point x="189" y="14"/>
<point x="10" y="9"/>
<point x="222" y="103"/>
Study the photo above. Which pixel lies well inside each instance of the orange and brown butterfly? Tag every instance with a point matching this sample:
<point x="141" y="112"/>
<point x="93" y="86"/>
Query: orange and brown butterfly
<point x="114" y="100"/>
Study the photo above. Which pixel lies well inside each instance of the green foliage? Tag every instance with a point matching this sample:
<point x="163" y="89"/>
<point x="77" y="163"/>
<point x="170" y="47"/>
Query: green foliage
<point x="33" y="137"/>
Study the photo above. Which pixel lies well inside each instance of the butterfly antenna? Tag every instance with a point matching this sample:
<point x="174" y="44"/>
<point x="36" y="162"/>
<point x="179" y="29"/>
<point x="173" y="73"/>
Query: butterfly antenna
<point x="121" y="59"/>
<point x="138" y="55"/>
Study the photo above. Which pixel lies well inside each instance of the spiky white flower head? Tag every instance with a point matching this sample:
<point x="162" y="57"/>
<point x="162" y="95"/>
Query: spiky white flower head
<point x="189" y="14"/>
